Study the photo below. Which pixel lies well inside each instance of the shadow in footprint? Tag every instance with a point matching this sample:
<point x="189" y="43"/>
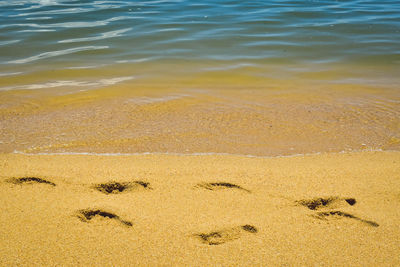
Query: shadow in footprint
<point x="88" y="214"/>
<point x="225" y="235"/>
<point x="220" y="186"/>
<point x="30" y="180"/>
<point x="340" y="214"/>
<point x="318" y="203"/>
<point x="116" y="187"/>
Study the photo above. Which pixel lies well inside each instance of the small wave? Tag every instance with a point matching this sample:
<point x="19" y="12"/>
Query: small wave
<point x="203" y="154"/>
<point x="38" y="30"/>
<point x="39" y="4"/>
<point x="48" y="2"/>
<point x="170" y="29"/>
<point x="151" y="100"/>
<point x="9" y="42"/>
<point x="115" y="80"/>
<point x="230" y="67"/>
<point x="9" y="73"/>
<point x="139" y="60"/>
<point x="86" y="67"/>
<point x="155" y="31"/>
<point x="77" y="24"/>
<point x="101" y="82"/>
<point x="367" y="81"/>
<point x="117" y="18"/>
<point x="104" y="35"/>
<point x="56" y="53"/>
<point x="46" y="85"/>
<point x="57" y="11"/>
<point x="71" y="24"/>
<point x="39" y="18"/>
<point x="33" y="25"/>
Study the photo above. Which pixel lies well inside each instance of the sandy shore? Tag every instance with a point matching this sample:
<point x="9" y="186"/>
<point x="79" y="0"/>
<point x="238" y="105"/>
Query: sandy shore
<point x="328" y="209"/>
<point x="230" y="112"/>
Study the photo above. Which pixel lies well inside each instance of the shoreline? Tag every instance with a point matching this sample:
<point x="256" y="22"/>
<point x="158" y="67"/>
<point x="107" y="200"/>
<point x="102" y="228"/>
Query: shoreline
<point x="196" y="210"/>
<point x="196" y="154"/>
<point x="278" y="118"/>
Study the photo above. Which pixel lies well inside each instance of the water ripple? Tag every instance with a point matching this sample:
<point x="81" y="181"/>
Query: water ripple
<point x="9" y="42"/>
<point x="103" y="35"/>
<point x="56" y="53"/>
<point x="294" y="31"/>
<point x="69" y="83"/>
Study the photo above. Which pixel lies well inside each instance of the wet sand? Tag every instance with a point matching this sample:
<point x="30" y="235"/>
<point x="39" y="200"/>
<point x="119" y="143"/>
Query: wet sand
<point x="329" y="209"/>
<point x="235" y="112"/>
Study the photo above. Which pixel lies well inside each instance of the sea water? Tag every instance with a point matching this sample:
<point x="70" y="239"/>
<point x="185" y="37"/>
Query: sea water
<point x="213" y="76"/>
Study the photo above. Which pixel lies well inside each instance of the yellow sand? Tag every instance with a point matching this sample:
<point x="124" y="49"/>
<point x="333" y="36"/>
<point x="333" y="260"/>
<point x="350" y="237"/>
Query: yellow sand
<point x="259" y="224"/>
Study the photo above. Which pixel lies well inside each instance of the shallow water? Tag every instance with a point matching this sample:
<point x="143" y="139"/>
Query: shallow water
<point x="249" y="77"/>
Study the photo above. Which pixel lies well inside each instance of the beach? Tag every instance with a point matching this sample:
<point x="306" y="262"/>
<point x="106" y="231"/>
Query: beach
<point x="187" y="133"/>
<point x="327" y="209"/>
<point x="218" y="169"/>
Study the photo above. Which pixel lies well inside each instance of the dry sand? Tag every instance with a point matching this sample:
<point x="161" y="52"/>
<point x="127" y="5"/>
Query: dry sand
<point x="327" y="209"/>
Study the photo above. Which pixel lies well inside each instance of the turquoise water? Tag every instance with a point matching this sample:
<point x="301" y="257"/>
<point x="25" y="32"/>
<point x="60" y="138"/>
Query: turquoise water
<point x="47" y="33"/>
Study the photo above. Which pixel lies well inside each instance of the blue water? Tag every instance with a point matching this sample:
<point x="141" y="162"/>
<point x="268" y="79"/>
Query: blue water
<point x="43" y="33"/>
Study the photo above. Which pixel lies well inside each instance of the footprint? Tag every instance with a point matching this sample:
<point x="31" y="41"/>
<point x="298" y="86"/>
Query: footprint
<point x="330" y="202"/>
<point x="88" y="214"/>
<point x="30" y="180"/>
<point x="339" y="214"/>
<point x="221" y="186"/>
<point x="225" y="235"/>
<point x="116" y="187"/>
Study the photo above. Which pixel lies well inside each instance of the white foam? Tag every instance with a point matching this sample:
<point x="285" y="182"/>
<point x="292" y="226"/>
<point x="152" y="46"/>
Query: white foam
<point x="78" y="24"/>
<point x="135" y="60"/>
<point x="118" y="18"/>
<point x="112" y="81"/>
<point x="38" y="30"/>
<point x="9" y="73"/>
<point x="48" y="2"/>
<point x="101" y="82"/>
<point x="230" y="67"/>
<point x="87" y="67"/>
<point x="150" y="100"/>
<point x="56" y="53"/>
<point x="38" y="18"/>
<point x="39" y="3"/>
<point x="73" y="10"/>
<point x="202" y="154"/>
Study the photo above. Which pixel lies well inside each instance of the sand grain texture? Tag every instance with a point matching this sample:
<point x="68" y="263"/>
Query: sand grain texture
<point x="328" y="209"/>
